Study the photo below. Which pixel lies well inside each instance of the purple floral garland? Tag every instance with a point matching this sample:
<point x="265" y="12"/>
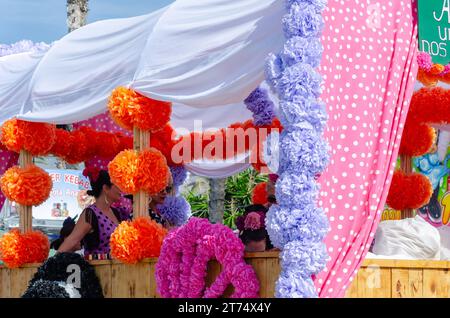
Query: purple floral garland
<point x="179" y="175"/>
<point x="22" y="46"/>
<point x="182" y="265"/>
<point x="297" y="225"/>
<point x="259" y="103"/>
<point x="176" y="210"/>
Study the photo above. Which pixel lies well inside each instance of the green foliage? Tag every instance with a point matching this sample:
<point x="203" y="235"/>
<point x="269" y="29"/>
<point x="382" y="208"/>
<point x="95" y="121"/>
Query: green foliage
<point x="199" y="204"/>
<point x="238" y="195"/>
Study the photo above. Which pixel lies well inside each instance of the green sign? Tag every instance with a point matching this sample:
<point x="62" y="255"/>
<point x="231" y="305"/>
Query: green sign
<point x="434" y="29"/>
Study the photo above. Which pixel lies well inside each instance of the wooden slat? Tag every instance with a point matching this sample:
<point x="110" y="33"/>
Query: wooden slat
<point x="122" y="282"/>
<point x="389" y="263"/>
<point x="273" y="272"/>
<point x="260" y="267"/>
<point x="214" y="270"/>
<point x="20" y="277"/>
<point x="5" y="283"/>
<point x="141" y="141"/>
<point x="143" y="286"/>
<point x="374" y="282"/>
<point x="131" y="281"/>
<point x="152" y="280"/>
<point x="416" y="283"/>
<point x="406" y="166"/>
<point x="436" y="283"/>
<point x="407" y="283"/>
<point x="25" y="212"/>
<point x="352" y="291"/>
<point x="104" y="275"/>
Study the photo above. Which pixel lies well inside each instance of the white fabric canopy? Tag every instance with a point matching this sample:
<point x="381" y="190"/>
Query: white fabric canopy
<point x="202" y="54"/>
<point x="205" y="53"/>
<point x="199" y="55"/>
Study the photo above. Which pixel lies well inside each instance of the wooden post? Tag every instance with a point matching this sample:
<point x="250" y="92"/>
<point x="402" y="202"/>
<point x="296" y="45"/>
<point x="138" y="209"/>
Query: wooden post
<point x="141" y="141"/>
<point x="406" y="166"/>
<point x="25" y="212"/>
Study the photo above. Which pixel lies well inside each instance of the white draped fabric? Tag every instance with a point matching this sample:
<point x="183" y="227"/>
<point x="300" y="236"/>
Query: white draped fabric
<point x="202" y="54"/>
<point x="219" y="169"/>
<point x="192" y="43"/>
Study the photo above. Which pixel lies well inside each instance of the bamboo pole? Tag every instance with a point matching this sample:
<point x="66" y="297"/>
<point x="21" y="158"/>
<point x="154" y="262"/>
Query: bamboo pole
<point x="25" y="212"/>
<point x="406" y="166"/>
<point x="141" y="141"/>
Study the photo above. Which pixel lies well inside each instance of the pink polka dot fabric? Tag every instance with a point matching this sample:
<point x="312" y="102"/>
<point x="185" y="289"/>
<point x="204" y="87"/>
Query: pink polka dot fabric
<point x="7" y="160"/>
<point x="369" y="68"/>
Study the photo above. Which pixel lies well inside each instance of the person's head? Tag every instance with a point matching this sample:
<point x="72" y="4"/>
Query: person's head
<point x="101" y="185"/>
<point x="255" y="208"/>
<point x="159" y="198"/>
<point x="254" y="240"/>
<point x="66" y="230"/>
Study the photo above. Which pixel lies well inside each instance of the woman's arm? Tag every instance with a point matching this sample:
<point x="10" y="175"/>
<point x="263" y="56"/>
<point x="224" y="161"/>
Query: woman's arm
<point x="79" y="232"/>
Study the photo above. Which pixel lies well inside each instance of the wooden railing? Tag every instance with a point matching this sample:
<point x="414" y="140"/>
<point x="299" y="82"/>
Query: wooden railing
<point x="376" y="278"/>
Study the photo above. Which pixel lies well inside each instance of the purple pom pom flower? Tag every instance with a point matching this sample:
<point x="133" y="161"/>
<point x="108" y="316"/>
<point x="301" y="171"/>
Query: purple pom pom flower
<point x="176" y="210"/>
<point x="299" y="80"/>
<point x="294" y="114"/>
<point x="302" y="50"/>
<point x="259" y="103"/>
<point x="294" y="284"/>
<point x="179" y="175"/>
<point x="319" y="5"/>
<point x="302" y="20"/>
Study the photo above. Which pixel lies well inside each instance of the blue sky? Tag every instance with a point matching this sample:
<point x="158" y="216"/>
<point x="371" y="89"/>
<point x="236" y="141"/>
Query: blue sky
<point x="45" y="20"/>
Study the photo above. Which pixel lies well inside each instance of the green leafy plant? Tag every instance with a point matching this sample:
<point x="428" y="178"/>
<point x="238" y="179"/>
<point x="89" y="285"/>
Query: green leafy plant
<point x="199" y="204"/>
<point x="238" y="195"/>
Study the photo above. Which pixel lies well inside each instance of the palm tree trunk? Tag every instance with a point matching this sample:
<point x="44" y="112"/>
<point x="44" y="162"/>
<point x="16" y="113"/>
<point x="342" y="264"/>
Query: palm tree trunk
<point x="76" y="13"/>
<point x="76" y="17"/>
<point x="216" y="200"/>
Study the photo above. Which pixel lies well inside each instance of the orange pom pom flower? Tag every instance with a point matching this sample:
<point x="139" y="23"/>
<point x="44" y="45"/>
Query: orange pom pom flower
<point x="17" y="249"/>
<point x="151" y="236"/>
<point x="259" y="194"/>
<point x="63" y="143"/>
<point x="152" y="174"/>
<point x="135" y="240"/>
<point x="11" y="136"/>
<point x="124" y="243"/>
<point x="27" y="186"/>
<point x="79" y="150"/>
<point x="122" y="170"/>
<point x="37" y="138"/>
<point x="108" y="145"/>
<point x="409" y="191"/>
<point x="37" y="246"/>
<point x="12" y="249"/>
<point x="129" y="108"/>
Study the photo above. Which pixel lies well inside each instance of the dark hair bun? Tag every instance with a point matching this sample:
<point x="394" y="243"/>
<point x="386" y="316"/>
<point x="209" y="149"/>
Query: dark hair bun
<point x="255" y="208"/>
<point x="97" y="185"/>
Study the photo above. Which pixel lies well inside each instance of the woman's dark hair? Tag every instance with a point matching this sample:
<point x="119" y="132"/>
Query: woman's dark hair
<point x="255" y="236"/>
<point x="98" y="183"/>
<point x="255" y="208"/>
<point x="66" y="230"/>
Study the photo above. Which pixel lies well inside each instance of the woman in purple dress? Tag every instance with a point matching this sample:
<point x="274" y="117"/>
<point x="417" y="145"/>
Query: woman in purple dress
<point x="98" y="221"/>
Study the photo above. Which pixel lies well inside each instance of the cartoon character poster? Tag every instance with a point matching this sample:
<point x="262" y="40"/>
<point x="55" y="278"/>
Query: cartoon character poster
<point x="436" y="166"/>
